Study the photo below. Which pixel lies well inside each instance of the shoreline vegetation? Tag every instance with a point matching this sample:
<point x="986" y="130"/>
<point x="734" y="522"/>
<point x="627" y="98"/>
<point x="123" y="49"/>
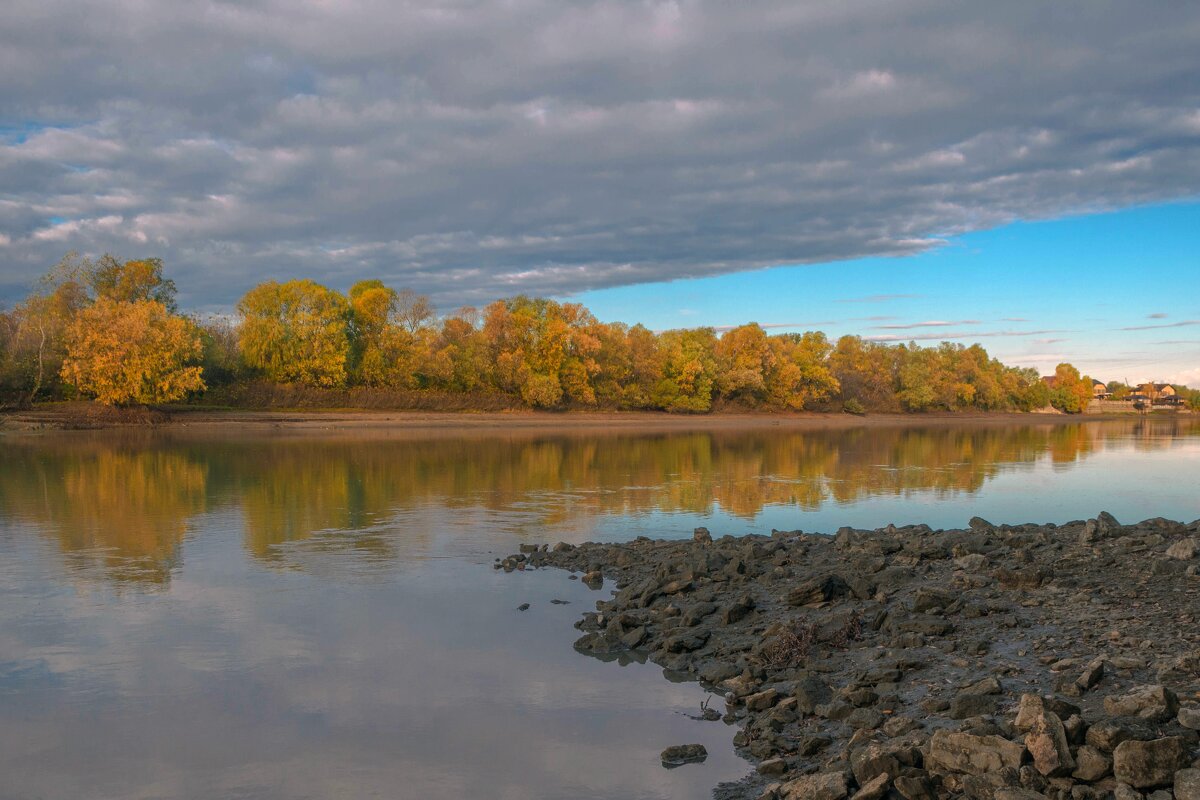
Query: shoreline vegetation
<point x="996" y="662"/>
<point x="110" y="331"/>
<point x="81" y="415"/>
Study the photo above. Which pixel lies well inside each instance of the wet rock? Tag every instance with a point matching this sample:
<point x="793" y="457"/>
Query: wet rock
<point x="1145" y="765"/>
<point x="1190" y="718"/>
<point x="823" y="786"/>
<point x="974" y="755"/>
<point x="1156" y="703"/>
<point x="702" y="535"/>
<point x="593" y="580"/>
<point x="736" y="611"/>
<point x="680" y="754"/>
<point x="864" y="719"/>
<point x="1017" y="793"/>
<point x="523" y="607"/>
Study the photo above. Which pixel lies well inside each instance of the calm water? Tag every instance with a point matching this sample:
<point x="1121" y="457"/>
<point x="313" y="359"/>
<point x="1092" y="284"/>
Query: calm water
<point x="302" y="617"/>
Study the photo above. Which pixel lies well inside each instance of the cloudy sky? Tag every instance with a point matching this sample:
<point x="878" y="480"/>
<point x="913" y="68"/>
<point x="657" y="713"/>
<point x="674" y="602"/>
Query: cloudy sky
<point x="472" y="150"/>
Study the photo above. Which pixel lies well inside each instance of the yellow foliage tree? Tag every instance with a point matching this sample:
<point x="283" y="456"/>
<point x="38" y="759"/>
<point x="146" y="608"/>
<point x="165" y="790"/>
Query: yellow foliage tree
<point x="296" y="332"/>
<point x="124" y="352"/>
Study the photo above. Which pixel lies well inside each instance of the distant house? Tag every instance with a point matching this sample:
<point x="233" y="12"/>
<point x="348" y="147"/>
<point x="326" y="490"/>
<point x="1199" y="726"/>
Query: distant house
<point x="1157" y="391"/>
<point x="1100" y="390"/>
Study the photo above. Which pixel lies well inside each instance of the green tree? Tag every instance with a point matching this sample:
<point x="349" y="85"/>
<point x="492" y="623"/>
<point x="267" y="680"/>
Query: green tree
<point x="296" y="332"/>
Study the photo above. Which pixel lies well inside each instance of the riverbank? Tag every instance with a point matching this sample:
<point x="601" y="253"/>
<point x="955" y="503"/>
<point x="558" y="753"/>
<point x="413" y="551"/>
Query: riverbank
<point x="91" y="416"/>
<point x="997" y="661"/>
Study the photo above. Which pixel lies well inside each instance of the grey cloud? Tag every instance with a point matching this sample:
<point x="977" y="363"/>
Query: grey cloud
<point x="474" y="149"/>
<point x="1157" y="315"/>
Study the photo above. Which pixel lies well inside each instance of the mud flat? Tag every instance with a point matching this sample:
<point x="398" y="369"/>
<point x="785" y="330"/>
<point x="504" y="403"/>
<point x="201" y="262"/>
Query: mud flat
<point x="997" y="661"/>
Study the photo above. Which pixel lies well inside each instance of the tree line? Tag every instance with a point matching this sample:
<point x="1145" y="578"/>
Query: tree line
<point x="111" y="331"/>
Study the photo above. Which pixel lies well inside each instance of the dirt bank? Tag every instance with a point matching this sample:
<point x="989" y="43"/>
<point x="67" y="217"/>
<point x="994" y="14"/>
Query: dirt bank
<point x="87" y="416"/>
<point x="1007" y="662"/>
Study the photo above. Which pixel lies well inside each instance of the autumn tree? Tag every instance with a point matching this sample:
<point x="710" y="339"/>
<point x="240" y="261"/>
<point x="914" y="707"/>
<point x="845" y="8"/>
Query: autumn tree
<point x="460" y="357"/>
<point x="296" y="332"/>
<point x="689" y="368"/>
<point x="867" y="372"/>
<point x="1070" y="391"/>
<point x="141" y="279"/>
<point x="135" y="351"/>
<point x="744" y="358"/>
<point x="40" y="322"/>
<point x="799" y="375"/>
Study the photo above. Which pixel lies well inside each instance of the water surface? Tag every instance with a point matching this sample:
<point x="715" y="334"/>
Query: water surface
<point x="287" y="616"/>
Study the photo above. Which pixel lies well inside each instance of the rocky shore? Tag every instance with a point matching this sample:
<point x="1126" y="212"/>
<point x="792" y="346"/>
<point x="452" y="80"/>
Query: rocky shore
<point x="1007" y="662"/>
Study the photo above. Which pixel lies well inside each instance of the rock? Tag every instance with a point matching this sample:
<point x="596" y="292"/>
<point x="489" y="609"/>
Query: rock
<point x="928" y="598"/>
<point x="818" y="590"/>
<point x="864" y="719"/>
<point x="736" y="611"/>
<point x="523" y="607"/>
<point x="811" y="692"/>
<point x="680" y="754"/>
<point x="823" y="786"/>
<point x="871" y="761"/>
<point x="1184" y="549"/>
<point x="594" y="579"/>
<point x="873" y="789"/>
<point x="1091" y="674"/>
<point x="1145" y="765"/>
<point x="772" y="766"/>
<point x="1124" y="792"/>
<point x="988" y="685"/>
<point x="702" y="535"/>
<point x="1107" y="734"/>
<point x="1187" y="784"/>
<point x="1090" y="764"/>
<point x="1190" y="718"/>
<point x="1017" y="793"/>
<point x="1156" y="703"/>
<point x="1046" y="741"/>
<point x="914" y="787"/>
<point x="975" y="755"/>
<point x="762" y="700"/>
<point x="972" y="705"/>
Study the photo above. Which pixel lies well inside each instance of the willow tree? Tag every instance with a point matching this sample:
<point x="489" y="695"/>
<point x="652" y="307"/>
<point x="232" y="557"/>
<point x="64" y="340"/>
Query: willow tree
<point x="296" y="332"/>
<point x="137" y="351"/>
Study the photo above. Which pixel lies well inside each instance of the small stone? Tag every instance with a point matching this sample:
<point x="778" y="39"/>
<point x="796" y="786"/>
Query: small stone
<point x="702" y="535"/>
<point x="914" y="787"/>
<point x="680" y="754"/>
<point x="523" y="607"/>
<point x="1145" y="765"/>
<point x="864" y="719"/>
<point x="871" y="761"/>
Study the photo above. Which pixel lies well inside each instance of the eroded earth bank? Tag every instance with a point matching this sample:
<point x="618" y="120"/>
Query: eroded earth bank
<point x="1007" y="662"/>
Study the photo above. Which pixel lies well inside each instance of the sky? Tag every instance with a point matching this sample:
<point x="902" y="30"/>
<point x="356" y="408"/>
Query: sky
<point x="623" y="151"/>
